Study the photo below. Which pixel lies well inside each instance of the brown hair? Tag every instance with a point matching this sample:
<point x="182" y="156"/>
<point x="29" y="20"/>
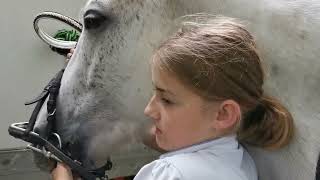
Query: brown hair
<point x="218" y="60"/>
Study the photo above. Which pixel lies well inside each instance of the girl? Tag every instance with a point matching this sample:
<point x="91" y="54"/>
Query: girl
<point x="208" y="97"/>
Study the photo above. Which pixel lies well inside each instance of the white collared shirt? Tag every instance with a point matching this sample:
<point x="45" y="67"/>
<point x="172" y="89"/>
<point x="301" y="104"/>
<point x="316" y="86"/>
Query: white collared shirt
<point x="219" y="159"/>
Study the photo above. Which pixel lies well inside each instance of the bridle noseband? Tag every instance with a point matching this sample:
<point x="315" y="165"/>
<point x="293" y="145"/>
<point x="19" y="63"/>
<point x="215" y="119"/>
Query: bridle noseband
<point x="49" y="144"/>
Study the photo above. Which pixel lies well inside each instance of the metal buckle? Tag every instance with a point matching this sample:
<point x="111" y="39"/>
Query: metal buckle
<point x="44" y="152"/>
<point x="52" y="114"/>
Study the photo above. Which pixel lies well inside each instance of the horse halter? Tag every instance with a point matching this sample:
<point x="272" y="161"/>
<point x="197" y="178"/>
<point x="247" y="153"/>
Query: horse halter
<point x="49" y="144"/>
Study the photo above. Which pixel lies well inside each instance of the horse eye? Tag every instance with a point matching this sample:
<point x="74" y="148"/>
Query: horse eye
<point x="93" y="19"/>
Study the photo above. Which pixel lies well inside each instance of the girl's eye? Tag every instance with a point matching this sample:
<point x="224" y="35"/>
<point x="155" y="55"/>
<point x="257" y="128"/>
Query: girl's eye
<point x="166" y="101"/>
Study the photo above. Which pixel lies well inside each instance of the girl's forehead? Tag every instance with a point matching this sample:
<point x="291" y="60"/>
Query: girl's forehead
<point x="167" y="80"/>
<point x="161" y="77"/>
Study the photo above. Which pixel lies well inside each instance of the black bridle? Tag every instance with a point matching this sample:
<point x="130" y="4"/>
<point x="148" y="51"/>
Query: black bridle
<point x="49" y="144"/>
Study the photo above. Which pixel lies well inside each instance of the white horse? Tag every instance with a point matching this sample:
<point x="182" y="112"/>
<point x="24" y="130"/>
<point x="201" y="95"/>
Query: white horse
<point x="107" y="83"/>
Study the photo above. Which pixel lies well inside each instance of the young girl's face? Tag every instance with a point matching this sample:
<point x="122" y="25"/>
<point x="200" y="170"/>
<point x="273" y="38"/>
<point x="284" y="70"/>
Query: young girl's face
<point x="181" y="118"/>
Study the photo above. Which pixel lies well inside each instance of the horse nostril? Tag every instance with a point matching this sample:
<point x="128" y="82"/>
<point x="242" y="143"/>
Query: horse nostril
<point x="93" y="19"/>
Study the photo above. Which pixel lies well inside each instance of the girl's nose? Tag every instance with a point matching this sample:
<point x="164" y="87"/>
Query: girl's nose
<point x="151" y="109"/>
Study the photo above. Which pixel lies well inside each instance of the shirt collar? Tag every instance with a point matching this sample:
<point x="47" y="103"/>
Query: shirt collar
<point x="227" y="142"/>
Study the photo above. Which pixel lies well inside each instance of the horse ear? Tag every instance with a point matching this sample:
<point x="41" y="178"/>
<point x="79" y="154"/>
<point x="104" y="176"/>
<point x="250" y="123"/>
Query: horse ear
<point x="318" y="169"/>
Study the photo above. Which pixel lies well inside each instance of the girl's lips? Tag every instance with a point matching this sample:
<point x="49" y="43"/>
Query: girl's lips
<point x="155" y="130"/>
<point x="158" y="131"/>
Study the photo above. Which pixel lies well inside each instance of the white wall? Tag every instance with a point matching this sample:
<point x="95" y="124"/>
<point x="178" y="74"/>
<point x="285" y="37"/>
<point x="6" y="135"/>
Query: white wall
<point x="26" y="62"/>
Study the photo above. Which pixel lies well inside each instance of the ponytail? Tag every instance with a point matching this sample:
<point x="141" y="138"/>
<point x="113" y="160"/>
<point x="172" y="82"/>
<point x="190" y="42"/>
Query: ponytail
<point x="269" y="125"/>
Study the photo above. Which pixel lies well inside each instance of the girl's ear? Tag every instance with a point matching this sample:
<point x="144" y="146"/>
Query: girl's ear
<point x="229" y="114"/>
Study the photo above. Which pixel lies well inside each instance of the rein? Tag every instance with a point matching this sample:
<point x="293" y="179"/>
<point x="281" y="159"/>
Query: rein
<point x="49" y="144"/>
